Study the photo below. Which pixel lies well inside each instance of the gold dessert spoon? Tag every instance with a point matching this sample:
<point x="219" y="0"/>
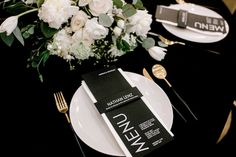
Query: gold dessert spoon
<point x="160" y="72"/>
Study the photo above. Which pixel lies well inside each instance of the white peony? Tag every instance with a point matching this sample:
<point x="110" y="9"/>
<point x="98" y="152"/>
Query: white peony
<point x="9" y="25"/>
<point x="140" y="23"/>
<point x="56" y="12"/>
<point x="95" y="30"/>
<point x="157" y="53"/>
<point x="100" y="6"/>
<point x="78" y="20"/>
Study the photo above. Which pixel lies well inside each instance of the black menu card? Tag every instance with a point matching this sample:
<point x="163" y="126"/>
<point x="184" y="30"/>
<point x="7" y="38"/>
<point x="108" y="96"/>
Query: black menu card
<point x="135" y="125"/>
<point x="184" y="19"/>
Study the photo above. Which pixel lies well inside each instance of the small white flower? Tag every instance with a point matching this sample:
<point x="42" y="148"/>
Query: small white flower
<point x="9" y="25"/>
<point x="157" y="53"/>
<point x="117" y="31"/>
<point x="121" y="24"/>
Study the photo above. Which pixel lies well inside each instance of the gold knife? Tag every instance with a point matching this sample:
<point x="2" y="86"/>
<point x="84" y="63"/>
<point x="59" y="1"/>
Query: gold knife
<point x="146" y="74"/>
<point x="227" y="125"/>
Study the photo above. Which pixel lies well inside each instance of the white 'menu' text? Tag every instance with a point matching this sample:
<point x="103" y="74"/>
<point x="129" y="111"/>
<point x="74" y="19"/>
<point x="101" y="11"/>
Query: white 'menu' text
<point x="130" y="133"/>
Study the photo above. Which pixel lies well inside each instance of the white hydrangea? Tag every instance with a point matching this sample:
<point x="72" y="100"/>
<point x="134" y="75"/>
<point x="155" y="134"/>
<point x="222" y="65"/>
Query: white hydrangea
<point x="61" y="45"/>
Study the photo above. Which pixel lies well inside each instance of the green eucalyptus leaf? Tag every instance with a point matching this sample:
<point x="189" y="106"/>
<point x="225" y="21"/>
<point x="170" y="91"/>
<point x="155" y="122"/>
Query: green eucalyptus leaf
<point x="138" y="4"/>
<point x="28" y="31"/>
<point x="128" y="10"/>
<point x="118" y="3"/>
<point x="18" y="35"/>
<point x="105" y="20"/>
<point x="31" y="29"/>
<point x="46" y="30"/>
<point x="148" y="43"/>
<point x="8" y="40"/>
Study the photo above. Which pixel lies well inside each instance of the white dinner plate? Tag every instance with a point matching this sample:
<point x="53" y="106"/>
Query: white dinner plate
<point x="191" y="35"/>
<point x="91" y="128"/>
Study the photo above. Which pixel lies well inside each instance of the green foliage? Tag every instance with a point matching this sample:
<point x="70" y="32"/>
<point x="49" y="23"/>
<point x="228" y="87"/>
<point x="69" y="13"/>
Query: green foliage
<point x="105" y="20"/>
<point x="148" y="43"/>
<point x="46" y="30"/>
<point x="118" y="3"/>
<point x="128" y="10"/>
<point x="18" y="35"/>
<point x="8" y="40"/>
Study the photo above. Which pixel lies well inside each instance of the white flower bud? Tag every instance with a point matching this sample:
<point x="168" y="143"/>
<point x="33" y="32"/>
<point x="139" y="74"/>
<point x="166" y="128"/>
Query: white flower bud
<point x="117" y="31"/>
<point x="9" y="25"/>
<point x="157" y="53"/>
<point x="121" y="24"/>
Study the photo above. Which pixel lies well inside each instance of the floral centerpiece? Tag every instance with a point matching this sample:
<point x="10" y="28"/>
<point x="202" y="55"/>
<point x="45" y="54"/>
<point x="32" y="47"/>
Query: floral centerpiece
<point x="77" y="30"/>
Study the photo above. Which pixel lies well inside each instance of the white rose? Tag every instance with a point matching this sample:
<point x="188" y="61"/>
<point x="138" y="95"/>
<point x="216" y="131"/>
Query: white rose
<point x="157" y="52"/>
<point x="9" y="25"/>
<point x="95" y="30"/>
<point x="100" y="6"/>
<point x="56" y="12"/>
<point x="140" y="22"/>
<point x="78" y="20"/>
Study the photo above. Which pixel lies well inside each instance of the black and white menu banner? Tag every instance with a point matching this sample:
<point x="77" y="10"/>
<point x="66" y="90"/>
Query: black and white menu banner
<point x="135" y="125"/>
<point x="184" y="19"/>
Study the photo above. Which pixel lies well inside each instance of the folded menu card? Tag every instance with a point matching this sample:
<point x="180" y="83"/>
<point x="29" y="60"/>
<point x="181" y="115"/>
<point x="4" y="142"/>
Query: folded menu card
<point x="135" y="125"/>
<point x="184" y="19"/>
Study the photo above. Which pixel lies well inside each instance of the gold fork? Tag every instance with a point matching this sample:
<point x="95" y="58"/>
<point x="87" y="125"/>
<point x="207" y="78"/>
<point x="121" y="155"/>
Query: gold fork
<point x="63" y="108"/>
<point x="61" y="104"/>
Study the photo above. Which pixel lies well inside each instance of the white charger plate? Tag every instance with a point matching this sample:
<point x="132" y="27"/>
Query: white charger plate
<point x="91" y="128"/>
<point x="191" y="35"/>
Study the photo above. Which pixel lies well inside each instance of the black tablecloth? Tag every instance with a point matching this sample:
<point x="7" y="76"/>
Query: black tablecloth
<point x="32" y="125"/>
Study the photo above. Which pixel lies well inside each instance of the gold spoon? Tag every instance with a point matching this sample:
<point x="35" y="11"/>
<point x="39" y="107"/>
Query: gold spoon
<point x="171" y="42"/>
<point x="180" y="1"/>
<point x="160" y="72"/>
